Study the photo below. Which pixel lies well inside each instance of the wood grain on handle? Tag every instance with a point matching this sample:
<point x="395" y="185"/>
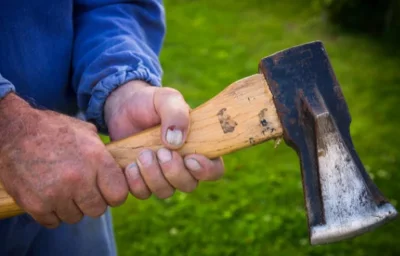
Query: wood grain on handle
<point x="240" y="116"/>
<point x="8" y="207"/>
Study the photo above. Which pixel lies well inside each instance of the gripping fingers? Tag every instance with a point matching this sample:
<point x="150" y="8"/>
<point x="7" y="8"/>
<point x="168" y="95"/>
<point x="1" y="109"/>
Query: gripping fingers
<point x="44" y="217"/>
<point x="38" y="210"/>
<point x="49" y="220"/>
<point x="91" y="202"/>
<point x="175" y="171"/>
<point x="111" y="181"/>
<point x="169" y="172"/>
<point x="137" y="186"/>
<point x="69" y="212"/>
<point x="203" y="168"/>
<point x="153" y="176"/>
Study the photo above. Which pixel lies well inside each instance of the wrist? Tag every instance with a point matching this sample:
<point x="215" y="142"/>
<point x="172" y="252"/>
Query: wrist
<point x="11" y="104"/>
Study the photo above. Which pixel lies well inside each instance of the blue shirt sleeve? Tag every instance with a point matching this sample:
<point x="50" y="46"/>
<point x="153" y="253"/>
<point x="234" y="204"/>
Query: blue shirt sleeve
<point x="5" y="87"/>
<point x="115" y="41"/>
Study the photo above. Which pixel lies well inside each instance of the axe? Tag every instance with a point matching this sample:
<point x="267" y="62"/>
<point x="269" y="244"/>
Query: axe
<point x="296" y="96"/>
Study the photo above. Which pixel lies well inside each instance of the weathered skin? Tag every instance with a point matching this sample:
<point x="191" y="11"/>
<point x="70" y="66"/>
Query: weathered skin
<point x="137" y="106"/>
<point x="57" y="168"/>
<point x="54" y="166"/>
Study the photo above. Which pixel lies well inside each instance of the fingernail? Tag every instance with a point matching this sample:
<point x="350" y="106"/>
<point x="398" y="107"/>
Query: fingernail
<point x="164" y="155"/>
<point x="174" y="136"/>
<point x="146" y="157"/>
<point x="192" y="164"/>
<point x="133" y="170"/>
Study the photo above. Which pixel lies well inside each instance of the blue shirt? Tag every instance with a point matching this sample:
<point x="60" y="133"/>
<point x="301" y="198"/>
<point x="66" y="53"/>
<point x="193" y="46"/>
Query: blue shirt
<point x="69" y="55"/>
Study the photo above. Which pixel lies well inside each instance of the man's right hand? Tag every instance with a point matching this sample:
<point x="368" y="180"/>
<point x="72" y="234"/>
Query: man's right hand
<point x="56" y="167"/>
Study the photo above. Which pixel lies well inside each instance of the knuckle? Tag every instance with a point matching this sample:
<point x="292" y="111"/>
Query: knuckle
<point x="113" y="184"/>
<point x="49" y="194"/>
<point x="96" y="211"/>
<point x="46" y="219"/>
<point x="164" y="193"/>
<point x="109" y="164"/>
<point x="73" y="219"/>
<point x="140" y="193"/>
<point x="171" y="173"/>
<point x="171" y="91"/>
<point x="172" y="96"/>
<point x="70" y="216"/>
<point x="143" y="195"/>
<point x="213" y="173"/>
<point x="117" y="198"/>
<point x="35" y="209"/>
<point x="50" y="225"/>
<point x="91" y="126"/>
<point x="93" y="147"/>
<point x="92" y="151"/>
<point x="72" y="176"/>
<point x="138" y="188"/>
<point x="91" y="203"/>
<point x="189" y="186"/>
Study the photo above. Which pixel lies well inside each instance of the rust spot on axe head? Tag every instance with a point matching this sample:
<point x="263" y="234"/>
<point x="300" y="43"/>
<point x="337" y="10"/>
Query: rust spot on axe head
<point x="340" y="197"/>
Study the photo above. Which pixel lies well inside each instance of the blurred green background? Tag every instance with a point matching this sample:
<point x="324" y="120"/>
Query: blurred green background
<point x="257" y="208"/>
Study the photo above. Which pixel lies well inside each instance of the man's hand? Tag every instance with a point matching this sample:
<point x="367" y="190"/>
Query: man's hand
<point x="136" y="106"/>
<point x="56" y="167"/>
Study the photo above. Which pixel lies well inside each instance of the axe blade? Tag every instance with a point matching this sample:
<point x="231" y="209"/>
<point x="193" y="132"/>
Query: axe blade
<point x="341" y="199"/>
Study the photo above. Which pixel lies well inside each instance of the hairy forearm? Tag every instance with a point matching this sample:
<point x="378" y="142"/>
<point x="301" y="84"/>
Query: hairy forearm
<point x="15" y="114"/>
<point x="12" y="105"/>
<point x="13" y="111"/>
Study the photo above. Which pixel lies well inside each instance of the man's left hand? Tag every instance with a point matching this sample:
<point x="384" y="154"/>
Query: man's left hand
<point x="136" y="106"/>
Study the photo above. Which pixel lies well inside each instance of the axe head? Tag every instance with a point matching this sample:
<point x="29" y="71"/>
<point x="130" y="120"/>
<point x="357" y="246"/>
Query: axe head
<point x="340" y="197"/>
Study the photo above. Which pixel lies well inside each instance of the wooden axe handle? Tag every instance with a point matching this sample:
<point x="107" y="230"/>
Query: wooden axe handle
<point x="240" y="116"/>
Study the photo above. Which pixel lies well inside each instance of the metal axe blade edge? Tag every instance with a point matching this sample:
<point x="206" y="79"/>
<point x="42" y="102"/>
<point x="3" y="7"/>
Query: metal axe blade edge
<point x="341" y="199"/>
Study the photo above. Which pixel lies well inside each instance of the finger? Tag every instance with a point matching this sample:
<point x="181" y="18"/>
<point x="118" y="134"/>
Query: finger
<point x="203" y="168"/>
<point x="152" y="175"/>
<point x="68" y="212"/>
<point x="175" y="171"/>
<point x="38" y="210"/>
<point x="90" y="201"/>
<point x="174" y="114"/>
<point x="137" y="186"/>
<point x="49" y="220"/>
<point x="111" y="181"/>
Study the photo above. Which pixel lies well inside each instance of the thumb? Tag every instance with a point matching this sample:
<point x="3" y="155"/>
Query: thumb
<point x="174" y="114"/>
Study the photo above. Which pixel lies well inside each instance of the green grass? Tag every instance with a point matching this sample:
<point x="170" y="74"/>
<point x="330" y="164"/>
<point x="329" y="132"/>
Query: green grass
<point x="257" y="208"/>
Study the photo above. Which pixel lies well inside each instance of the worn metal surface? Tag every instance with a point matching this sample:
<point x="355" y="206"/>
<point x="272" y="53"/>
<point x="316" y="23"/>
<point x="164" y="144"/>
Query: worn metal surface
<point x="341" y="199"/>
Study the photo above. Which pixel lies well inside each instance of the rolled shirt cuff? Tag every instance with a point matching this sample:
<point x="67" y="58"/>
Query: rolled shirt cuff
<point x="5" y="87"/>
<point x="100" y="92"/>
